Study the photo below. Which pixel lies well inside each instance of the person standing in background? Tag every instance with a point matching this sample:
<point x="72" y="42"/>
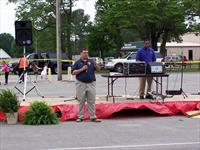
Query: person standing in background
<point x="184" y="61"/>
<point x="22" y="63"/>
<point x="6" y="69"/>
<point x="35" y="68"/>
<point x="147" y="55"/>
<point x="44" y="72"/>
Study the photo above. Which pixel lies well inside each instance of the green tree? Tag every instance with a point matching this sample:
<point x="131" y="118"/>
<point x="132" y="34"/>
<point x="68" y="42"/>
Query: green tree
<point x="8" y="43"/>
<point x="109" y="21"/>
<point x="6" y="40"/>
<point x="42" y="14"/>
<point x="158" y="20"/>
<point x="44" y="40"/>
<point x="192" y="8"/>
<point x="80" y="27"/>
<point x="98" y="41"/>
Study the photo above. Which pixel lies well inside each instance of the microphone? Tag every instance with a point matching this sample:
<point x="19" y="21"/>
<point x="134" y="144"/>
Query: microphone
<point x="86" y="63"/>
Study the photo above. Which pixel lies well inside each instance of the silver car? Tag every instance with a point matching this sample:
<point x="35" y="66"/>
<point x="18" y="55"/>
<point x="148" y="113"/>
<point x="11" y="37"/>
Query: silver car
<point x="117" y="64"/>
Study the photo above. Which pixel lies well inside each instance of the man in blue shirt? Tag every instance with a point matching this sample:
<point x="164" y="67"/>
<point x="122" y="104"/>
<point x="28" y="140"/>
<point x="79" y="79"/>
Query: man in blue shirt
<point x="147" y="55"/>
<point x="84" y="69"/>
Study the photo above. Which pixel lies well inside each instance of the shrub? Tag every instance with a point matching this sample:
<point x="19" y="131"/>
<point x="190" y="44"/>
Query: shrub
<point x="8" y="101"/>
<point x="40" y="113"/>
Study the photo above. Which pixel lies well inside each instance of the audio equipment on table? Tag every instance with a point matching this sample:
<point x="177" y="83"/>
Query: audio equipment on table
<point x="155" y="68"/>
<point x="143" y="68"/>
<point x="134" y="68"/>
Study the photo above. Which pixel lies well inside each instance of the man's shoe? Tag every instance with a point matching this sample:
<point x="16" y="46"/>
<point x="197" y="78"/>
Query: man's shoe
<point x="149" y="97"/>
<point x="95" y="120"/>
<point x="79" y="120"/>
<point x="141" y="97"/>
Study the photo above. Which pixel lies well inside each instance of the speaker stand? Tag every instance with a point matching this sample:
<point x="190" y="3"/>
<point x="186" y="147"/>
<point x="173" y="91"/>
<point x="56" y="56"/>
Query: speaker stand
<point x="25" y="75"/>
<point x="181" y="89"/>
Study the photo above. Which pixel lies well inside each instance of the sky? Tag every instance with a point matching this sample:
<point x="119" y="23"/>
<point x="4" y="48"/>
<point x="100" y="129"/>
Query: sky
<point x="7" y="14"/>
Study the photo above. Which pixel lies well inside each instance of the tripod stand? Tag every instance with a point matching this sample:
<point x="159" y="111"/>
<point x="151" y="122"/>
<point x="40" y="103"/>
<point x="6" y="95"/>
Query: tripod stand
<point x="181" y="89"/>
<point x="25" y="76"/>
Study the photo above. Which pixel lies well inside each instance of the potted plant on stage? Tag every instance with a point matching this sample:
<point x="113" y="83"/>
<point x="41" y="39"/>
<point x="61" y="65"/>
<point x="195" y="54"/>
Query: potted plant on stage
<point x="40" y="114"/>
<point x="9" y="104"/>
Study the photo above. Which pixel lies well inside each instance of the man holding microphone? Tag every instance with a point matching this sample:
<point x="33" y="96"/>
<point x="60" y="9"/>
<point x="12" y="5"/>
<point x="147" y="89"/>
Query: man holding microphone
<point x="84" y="69"/>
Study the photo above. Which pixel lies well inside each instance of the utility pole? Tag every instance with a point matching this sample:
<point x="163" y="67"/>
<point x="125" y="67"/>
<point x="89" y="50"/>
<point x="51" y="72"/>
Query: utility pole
<point x="58" y="40"/>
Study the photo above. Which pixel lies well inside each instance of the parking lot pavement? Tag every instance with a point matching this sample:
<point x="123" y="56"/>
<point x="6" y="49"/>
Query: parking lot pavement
<point x="135" y="132"/>
<point x="129" y="86"/>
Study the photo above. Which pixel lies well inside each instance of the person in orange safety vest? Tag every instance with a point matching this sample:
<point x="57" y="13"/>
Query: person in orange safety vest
<point x="21" y="64"/>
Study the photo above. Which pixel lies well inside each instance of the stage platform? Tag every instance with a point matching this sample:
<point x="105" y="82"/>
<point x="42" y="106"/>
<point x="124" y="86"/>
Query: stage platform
<point x="67" y="107"/>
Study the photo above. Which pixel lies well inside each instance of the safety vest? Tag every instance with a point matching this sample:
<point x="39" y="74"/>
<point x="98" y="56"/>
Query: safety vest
<point x="21" y="62"/>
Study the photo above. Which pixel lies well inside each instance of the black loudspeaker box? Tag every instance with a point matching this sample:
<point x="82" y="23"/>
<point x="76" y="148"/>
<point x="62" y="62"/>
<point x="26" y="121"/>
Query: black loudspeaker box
<point x="23" y="33"/>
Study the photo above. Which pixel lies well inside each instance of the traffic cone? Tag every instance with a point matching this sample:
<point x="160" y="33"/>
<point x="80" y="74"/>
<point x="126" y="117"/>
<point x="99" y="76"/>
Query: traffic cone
<point x="49" y="74"/>
<point x="69" y="74"/>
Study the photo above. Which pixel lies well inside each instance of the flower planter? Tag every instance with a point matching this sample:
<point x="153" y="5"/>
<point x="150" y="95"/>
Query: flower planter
<point x="12" y="118"/>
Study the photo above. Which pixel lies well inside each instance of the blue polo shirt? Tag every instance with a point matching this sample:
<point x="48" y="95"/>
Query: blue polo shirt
<point x="85" y="76"/>
<point x="146" y="54"/>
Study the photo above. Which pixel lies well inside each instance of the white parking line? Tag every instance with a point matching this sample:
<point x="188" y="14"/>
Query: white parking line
<point x="127" y="146"/>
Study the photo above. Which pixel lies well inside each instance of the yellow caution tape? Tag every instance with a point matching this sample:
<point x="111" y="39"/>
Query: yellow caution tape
<point x="11" y="60"/>
<point x="61" y="60"/>
<point x="186" y="62"/>
<point x="72" y="61"/>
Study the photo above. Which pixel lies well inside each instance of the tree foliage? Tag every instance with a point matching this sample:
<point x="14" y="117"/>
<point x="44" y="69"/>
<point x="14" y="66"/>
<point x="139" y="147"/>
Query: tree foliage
<point x="116" y="23"/>
<point x="43" y="15"/>
<point x="98" y="41"/>
<point x="158" y="20"/>
<point x="5" y="42"/>
<point x="80" y="27"/>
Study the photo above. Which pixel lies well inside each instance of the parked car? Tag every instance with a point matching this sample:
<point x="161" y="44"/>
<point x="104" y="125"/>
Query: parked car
<point x="173" y="58"/>
<point x="98" y="60"/>
<point x="41" y="59"/>
<point x="107" y="59"/>
<point x="117" y="64"/>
